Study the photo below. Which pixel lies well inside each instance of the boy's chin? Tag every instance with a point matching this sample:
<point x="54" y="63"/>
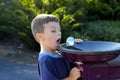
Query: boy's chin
<point x="57" y="47"/>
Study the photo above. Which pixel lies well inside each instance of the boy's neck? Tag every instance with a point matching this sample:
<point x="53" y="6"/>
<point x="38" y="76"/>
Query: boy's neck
<point x="52" y="52"/>
<point x="48" y="50"/>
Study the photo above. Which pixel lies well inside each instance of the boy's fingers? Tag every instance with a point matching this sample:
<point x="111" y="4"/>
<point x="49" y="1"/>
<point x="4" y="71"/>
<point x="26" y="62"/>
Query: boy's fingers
<point x="75" y="69"/>
<point x="78" y="40"/>
<point x="78" y="74"/>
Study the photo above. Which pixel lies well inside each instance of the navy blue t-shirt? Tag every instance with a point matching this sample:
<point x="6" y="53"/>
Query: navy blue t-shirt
<point x="52" y="66"/>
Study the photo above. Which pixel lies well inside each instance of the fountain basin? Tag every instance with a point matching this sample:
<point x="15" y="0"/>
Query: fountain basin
<point x="91" y="51"/>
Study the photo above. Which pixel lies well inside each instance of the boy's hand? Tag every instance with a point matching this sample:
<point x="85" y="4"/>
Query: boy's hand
<point x="74" y="73"/>
<point x="78" y="40"/>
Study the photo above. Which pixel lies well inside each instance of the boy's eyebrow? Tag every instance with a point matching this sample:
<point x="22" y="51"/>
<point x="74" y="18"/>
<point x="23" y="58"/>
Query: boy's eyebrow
<point x="56" y="27"/>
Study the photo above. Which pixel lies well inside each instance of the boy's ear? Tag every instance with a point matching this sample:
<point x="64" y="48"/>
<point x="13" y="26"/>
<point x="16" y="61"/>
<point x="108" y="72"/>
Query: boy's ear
<point x="38" y="37"/>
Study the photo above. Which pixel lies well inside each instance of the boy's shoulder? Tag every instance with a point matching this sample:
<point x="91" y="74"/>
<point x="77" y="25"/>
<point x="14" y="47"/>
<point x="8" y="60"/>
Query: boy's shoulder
<point x="50" y="55"/>
<point x="45" y="57"/>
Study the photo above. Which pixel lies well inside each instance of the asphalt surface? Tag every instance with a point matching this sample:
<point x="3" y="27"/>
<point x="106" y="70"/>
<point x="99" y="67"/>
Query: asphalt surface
<point x="14" y="71"/>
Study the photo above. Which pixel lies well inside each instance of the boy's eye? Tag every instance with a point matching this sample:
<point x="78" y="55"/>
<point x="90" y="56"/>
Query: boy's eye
<point x="53" y="30"/>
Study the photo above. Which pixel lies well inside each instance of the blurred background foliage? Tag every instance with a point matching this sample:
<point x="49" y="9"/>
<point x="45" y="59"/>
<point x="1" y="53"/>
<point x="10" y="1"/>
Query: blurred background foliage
<point x="86" y="19"/>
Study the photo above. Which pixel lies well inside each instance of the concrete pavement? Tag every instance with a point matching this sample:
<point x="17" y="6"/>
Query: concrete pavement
<point x="14" y="71"/>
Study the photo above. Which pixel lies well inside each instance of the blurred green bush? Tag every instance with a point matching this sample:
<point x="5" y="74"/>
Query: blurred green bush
<point x="86" y="19"/>
<point x="100" y="30"/>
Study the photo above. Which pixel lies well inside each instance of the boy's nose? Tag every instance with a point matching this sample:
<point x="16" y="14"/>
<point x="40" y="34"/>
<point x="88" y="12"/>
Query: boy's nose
<point x="59" y="33"/>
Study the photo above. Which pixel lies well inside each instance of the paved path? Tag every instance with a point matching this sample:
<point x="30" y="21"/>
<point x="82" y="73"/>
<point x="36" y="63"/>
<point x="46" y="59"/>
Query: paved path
<point x="13" y="71"/>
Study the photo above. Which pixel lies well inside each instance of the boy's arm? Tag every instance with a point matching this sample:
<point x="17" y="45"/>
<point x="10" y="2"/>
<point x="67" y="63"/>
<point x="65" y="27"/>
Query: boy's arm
<point x="46" y="71"/>
<point x="74" y="74"/>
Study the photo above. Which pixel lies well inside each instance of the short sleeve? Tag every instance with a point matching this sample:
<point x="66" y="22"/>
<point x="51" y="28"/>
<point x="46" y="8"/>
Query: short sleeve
<point x="47" y="71"/>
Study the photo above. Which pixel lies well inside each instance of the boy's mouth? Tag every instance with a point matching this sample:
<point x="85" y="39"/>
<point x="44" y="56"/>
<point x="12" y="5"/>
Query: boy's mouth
<point x="58" y="41"/>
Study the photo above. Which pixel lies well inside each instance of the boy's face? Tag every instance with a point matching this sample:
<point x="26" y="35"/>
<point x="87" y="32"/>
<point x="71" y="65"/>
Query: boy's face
<point x="52" y="35"/>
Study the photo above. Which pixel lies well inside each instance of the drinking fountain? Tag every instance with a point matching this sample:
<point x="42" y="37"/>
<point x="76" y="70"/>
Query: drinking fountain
<point x="100" y="59"/>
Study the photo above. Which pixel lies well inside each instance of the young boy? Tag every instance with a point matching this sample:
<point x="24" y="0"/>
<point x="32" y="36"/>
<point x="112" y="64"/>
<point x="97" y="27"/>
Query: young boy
<point x="51" y="65"/>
